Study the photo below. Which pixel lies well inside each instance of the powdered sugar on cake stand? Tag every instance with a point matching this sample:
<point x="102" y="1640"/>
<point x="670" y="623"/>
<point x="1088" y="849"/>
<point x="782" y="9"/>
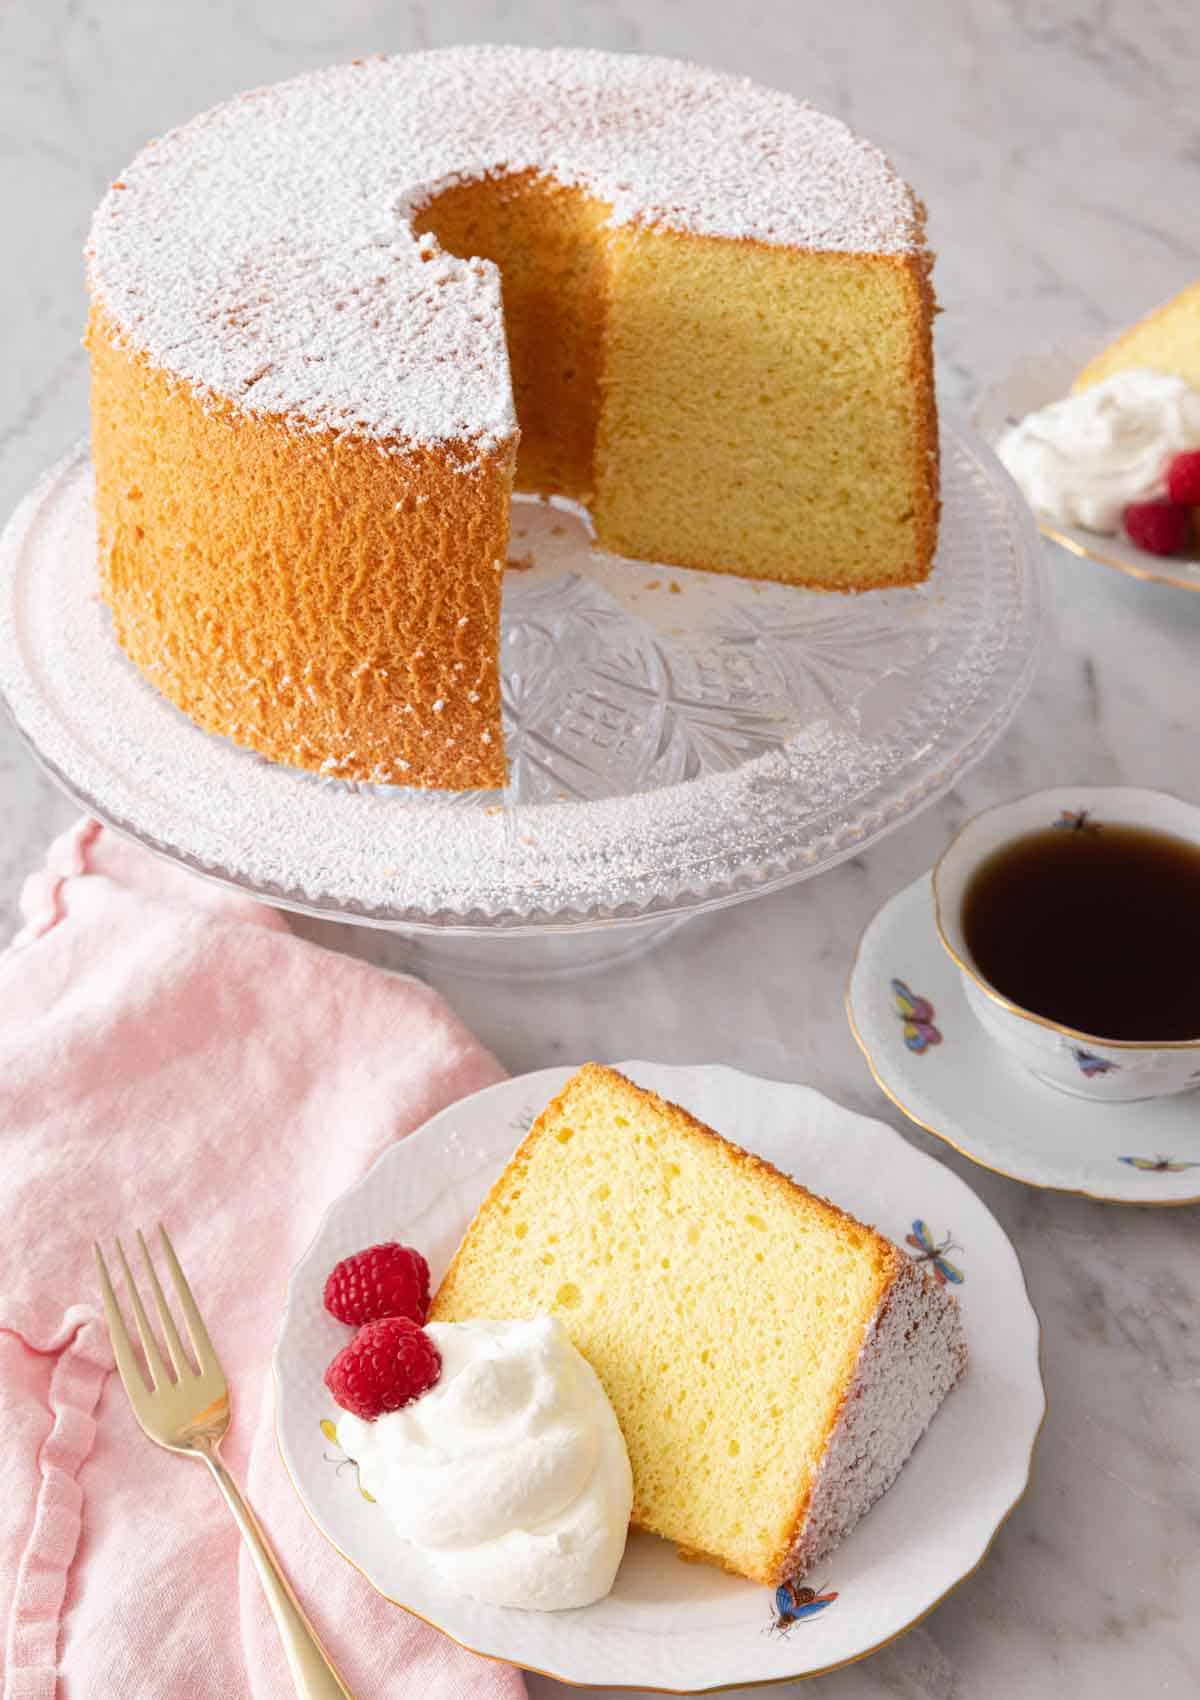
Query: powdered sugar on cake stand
<point x="678" y="740"/>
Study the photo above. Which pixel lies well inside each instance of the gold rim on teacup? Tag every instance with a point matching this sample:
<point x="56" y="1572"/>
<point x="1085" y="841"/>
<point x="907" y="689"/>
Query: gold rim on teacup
<point x="1060" y="795"/>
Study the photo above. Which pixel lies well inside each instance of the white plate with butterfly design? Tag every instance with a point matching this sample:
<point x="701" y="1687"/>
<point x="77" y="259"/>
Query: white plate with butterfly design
<point x="931" y="1057"/>
<point x="668" y="1625"/>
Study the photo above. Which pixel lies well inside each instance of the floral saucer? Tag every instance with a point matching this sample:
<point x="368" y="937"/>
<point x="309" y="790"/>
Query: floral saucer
<point x="1034" y="381"/>
<point x="931" y="1057"/>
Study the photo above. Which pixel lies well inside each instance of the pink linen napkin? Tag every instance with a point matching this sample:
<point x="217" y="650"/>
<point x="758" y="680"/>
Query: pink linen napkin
<point x="169" y="1049"/>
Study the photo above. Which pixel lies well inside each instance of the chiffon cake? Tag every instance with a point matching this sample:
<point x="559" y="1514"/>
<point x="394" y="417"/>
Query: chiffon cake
<point x="772" y="1362"/>
<point x="335" y="322"/>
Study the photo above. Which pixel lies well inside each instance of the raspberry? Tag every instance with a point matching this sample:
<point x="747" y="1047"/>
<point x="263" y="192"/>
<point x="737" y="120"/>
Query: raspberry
<point x="384" y="1280"/>
<point x="1162" y="528"/>
<point x="1183" y="479"/>
<point x="387" y="1365"/>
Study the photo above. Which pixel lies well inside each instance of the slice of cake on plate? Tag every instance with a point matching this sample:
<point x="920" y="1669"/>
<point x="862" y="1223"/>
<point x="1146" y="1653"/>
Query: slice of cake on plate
<point x="1166" y="340"/>
<point x="772" y="1362"/>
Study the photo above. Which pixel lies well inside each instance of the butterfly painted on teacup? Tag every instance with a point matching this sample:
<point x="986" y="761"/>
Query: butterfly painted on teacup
<point x="794" y="1605"/>
<point x="1090" y="1064"/>
<point x="916" y="1016"/>
<point x="1076" y="820"/>
<point x="934" y="1253"/>
<point x="1159" y="1165"/>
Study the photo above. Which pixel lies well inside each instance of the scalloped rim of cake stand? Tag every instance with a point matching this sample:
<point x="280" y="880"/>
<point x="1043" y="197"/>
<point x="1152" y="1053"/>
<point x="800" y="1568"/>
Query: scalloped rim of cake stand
<point x="763" y="863"/>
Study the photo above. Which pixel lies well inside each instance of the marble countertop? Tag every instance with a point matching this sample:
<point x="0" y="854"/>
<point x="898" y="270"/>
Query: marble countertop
<point x="1053" y="147"/>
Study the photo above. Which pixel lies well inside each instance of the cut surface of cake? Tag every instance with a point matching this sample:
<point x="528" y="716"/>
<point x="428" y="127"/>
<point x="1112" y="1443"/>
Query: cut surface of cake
<point x="1166" y="340"/>
<point x="772" y="1362"/>
<point x="334" y="321"/>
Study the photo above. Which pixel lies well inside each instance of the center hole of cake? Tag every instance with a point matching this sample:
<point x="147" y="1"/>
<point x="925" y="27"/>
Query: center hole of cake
<point x="549" y="243"/>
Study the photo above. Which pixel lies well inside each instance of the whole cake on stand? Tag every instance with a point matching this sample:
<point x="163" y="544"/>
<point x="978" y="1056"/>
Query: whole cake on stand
<point x="363" y="341"/>
<point x="334" y="322"/>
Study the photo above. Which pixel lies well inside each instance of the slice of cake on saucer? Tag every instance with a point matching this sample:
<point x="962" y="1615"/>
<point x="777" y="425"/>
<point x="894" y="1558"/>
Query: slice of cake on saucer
<point x="772" y="1362"/>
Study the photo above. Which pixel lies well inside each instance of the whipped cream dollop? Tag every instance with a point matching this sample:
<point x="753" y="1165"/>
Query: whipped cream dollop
<point x="510" y="1473"/>
<point x="1081" y="461"/>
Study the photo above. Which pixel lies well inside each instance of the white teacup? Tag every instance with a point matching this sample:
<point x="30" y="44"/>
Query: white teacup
<point x="1084" y="1064"/>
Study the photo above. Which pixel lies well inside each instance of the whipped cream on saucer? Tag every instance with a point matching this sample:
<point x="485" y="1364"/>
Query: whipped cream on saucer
<point x="511" y="1473"/>
<point x="1082" y="460"/>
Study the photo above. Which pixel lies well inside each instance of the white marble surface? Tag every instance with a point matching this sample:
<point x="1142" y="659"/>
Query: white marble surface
<point x="1057" y="145"/>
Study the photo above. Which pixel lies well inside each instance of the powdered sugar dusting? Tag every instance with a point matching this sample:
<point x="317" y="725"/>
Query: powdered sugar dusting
<point x="913" y="1354"/>
<point x="264" y="251"/>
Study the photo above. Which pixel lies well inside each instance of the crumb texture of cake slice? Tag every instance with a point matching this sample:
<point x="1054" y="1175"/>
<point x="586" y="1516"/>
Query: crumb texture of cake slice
<point x="772" y="1362"/>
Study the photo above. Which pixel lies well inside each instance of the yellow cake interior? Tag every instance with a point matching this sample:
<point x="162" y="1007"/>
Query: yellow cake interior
<point x="719" y="404"/>
<point x="722" y="1306"/>
<point x="548" y="242"/>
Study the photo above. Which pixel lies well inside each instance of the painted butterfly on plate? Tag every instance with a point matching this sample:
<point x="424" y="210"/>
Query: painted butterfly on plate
<point x="1090" y="1065"/>
<point x="934" y="1253"/>
<point x="1158" y="1165"/>
<point x="329" y="1430"/>
<point x="916" y="1016"/>
<point x="793" y="1605"/>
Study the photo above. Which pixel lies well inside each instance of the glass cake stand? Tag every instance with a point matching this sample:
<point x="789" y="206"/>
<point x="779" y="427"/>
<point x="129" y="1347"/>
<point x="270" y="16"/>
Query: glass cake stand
<point x="677" y="740"/>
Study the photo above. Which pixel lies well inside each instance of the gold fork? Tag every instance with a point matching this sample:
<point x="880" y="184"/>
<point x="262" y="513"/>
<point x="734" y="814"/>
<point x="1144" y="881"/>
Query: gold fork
<point x="189" y="1413"/>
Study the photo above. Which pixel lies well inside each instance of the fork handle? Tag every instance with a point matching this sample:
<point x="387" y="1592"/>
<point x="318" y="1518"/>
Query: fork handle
<point x="312" y="1669"/>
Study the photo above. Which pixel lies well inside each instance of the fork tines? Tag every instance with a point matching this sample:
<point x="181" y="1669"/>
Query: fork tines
<point x="123" y="1350"/>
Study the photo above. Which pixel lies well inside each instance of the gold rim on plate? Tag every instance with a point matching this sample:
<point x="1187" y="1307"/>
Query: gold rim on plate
<point x="720" y="1687"/>
<point x="1086" y="552"/>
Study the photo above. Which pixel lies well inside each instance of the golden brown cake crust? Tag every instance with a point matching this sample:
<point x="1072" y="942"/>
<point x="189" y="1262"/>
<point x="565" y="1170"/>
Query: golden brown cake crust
<point x="303" y="416"/>
<point x="328" y="604"/>
<point x="927" y="471"/>
<point x="593" y="1074"/>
